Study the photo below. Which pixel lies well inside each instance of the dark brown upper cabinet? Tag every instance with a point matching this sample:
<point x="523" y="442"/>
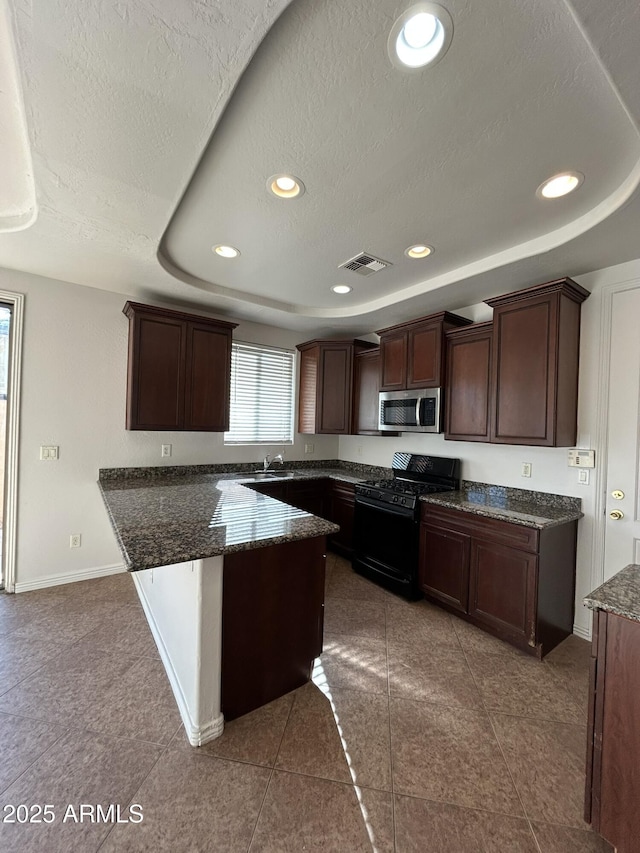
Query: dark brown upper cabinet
<point x="326" y="386"/>
<point x="179" y="370"/>
<point x="412" y="354"/>
<point x="535" y="351"/>
<point x="366" y="396"/>
<point x="468" y="383"/>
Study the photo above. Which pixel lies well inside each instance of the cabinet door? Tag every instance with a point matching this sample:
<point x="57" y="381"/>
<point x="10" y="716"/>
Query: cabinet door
<point x="366" y="395"/>
<point x="274" y="490"/>
<point x="308" y="395"/>
<point x="307" y="496"/>
<point x="444" y="565"/>
<point x="467" y="405"/>
<point x="157" y="352"/>
<point x="342" y="509"/>
<point x="424" y="357"/>
<point x="393" y="353"/>
<point x="620" y="758"/>
<point x="336" y="367"/>
<point x="207" y="378"/>
<point x="525" y="354"/>
<point x="502" y="589"/>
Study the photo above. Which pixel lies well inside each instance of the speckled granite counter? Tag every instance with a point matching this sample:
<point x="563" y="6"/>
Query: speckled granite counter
<point x="161" y="520"/>
<point x="619" y="595"/>
<point x="519" y="506"/>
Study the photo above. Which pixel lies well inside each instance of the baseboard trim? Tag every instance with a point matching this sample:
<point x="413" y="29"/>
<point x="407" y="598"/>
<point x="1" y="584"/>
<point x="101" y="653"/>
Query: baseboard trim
<point x="583" y="632"/>
<point x="69" y="577"/>
<point x="197" y="735"/>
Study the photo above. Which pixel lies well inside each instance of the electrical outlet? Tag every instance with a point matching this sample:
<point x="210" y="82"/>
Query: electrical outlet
<point x="49" y="452"/>
<point x="75" y="540"/>
<point x="583" y="476"/>
<point x="526" y="469"/>
<point x="166" y="450"/>
<point x="308" y="448"/>
<point x="359" y="450"/>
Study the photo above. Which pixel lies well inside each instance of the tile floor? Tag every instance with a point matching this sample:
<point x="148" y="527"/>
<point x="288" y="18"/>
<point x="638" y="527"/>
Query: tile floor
<point x="419" y="733"/>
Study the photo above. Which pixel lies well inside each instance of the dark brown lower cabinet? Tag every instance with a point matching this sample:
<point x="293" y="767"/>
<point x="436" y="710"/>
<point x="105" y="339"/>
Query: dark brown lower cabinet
<point x="612" y="796"/>
<point x="515" y="582"/>
<point x="272" y="622"/>
<point x="341" y="501"/>
<point x="445" y="574"/>
<point x="308" y="495"/>
<point x="331" y="499"/>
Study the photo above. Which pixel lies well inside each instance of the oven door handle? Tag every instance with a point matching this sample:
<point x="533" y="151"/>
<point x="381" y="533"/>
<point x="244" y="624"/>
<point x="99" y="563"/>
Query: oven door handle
<point x="391" y="509"/>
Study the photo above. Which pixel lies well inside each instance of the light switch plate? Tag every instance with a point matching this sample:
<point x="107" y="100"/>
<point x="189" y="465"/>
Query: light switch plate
<point x="49" y="452"/>
<point x="583" y="476"/>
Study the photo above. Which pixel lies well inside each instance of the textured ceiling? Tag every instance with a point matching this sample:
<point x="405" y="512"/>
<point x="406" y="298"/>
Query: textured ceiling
<point x="145" y="156"/>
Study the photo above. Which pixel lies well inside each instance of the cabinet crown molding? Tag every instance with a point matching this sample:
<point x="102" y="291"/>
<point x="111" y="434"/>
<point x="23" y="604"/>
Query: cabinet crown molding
<point x="131" y="308"/>
<point x="362" y="345"/>
<point x="565" y="286"/>
<point x="440" y="317"/>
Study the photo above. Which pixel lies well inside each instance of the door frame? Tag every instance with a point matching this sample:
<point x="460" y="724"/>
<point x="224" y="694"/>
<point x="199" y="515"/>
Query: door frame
<point x="9" y="534"/>
<point x="602" y="426"/>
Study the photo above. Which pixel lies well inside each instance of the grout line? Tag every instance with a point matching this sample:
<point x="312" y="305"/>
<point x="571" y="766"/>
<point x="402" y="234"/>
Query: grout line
<point x="393" y="797"/>
<point x="35" y="760"/>
<point x="504" y="758"/>
<point x="163" y="752"/>
<point x="273" y="769"/>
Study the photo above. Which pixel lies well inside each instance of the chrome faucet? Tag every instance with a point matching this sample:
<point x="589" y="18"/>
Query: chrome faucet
<point x="267" y="462"/>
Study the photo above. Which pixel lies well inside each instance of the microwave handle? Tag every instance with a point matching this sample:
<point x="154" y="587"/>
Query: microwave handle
<point x="418" y="422"/>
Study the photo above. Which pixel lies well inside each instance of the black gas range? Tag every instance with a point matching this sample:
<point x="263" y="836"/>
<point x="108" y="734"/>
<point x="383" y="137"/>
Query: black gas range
<point x="387" y="516"/>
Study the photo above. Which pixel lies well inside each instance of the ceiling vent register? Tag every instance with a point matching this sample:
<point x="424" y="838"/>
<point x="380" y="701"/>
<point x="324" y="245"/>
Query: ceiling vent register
<point x="364" y="264"/>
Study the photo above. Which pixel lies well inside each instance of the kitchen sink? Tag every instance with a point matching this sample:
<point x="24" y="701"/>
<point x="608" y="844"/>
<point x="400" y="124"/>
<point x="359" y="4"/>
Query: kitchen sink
<point x="271" y="475"/>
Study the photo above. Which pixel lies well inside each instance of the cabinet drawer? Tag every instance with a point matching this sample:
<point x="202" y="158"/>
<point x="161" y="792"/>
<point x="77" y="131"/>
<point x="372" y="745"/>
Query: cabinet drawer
<point x="480" y="527"/>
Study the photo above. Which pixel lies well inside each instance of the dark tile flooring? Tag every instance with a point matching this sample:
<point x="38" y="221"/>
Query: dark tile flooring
<point x="419" y="733"/>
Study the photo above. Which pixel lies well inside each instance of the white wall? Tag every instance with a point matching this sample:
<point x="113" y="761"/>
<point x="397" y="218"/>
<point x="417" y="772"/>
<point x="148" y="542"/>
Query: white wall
<point x="502" y="464"/>
<point x="73" y="396"/>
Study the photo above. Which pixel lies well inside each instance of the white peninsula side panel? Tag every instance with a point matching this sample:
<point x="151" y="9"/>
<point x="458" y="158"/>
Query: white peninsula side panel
<point x="183" y="606"/>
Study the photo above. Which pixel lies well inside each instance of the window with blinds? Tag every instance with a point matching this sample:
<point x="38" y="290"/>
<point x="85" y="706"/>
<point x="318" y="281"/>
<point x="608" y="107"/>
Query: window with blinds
<point x="262" y="395"/>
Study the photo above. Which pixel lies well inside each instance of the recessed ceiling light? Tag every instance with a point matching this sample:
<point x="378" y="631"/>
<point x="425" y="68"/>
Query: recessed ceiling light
<point x="341" y="288"/>
<point x="419" y="251"/>
<point x="420" y="36"/>
<point x="226" y="251"/>
<point x="285" y="186"/>
<point x="560" y="185"/>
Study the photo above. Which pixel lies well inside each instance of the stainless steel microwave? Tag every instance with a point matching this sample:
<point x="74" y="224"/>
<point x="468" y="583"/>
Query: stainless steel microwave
<point x="410" y="411"/>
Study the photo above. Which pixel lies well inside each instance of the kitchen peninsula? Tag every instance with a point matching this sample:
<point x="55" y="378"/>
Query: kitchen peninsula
<point x="227" y="648"/>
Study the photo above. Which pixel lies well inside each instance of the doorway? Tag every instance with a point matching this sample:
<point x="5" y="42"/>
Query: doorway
<point x="11" y="318"/>
<point x="5" y="328"/>
<point x="622" y="510"/>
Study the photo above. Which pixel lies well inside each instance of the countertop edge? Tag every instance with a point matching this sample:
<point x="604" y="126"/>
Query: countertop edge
<point x="619" y="595"/>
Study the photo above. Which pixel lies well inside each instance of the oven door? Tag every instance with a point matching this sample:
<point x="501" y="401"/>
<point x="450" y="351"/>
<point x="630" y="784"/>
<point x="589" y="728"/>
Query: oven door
<point x="385" y="545"/>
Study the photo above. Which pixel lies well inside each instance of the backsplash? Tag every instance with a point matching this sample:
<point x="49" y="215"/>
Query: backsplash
<point x="366" y="472"/>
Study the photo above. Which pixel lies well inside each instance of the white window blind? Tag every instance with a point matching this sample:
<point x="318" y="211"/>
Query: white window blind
<point x="262" y="395"/>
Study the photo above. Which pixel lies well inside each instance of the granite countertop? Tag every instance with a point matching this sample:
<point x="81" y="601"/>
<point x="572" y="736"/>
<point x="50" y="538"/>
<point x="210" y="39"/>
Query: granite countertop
<point x="166" y="516"/>
<point x="619" y="595"/>
<point x="518" y="506"/>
